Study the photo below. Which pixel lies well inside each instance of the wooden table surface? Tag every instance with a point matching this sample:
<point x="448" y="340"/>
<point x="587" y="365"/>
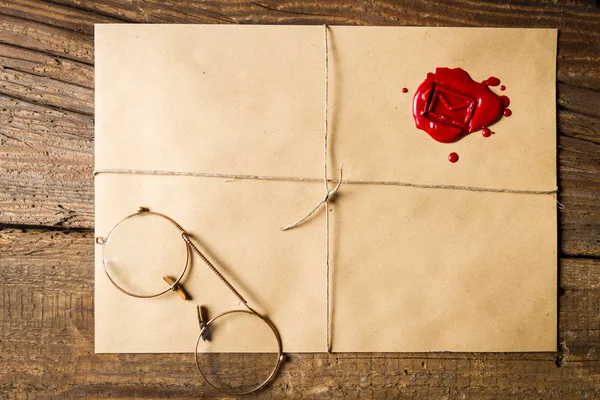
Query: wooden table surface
<point x="47" y="211"/>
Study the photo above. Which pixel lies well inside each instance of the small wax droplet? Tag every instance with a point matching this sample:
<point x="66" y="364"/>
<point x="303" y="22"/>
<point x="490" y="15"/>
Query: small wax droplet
<point x="507" y="112"/>
<point x="486" y="132"/>
<point x="453" y="157"/>
<point x="502" y="87"/>
<point x="491" y="81"/>
<point x="404" y="90"/>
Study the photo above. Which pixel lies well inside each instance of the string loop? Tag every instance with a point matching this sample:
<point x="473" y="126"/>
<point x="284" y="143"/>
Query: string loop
<point x="324" y="200"/>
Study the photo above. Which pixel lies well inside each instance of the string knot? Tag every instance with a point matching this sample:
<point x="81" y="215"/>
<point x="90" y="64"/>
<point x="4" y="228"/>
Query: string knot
<point x="330" y="193"/>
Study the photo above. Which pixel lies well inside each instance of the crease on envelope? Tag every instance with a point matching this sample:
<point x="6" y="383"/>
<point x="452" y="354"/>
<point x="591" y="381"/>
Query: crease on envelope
<point x="413" y="269"/>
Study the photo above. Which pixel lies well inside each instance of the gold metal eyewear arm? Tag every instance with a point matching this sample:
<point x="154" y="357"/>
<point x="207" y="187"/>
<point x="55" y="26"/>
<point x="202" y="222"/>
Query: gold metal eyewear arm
<point x="187" y="239"/>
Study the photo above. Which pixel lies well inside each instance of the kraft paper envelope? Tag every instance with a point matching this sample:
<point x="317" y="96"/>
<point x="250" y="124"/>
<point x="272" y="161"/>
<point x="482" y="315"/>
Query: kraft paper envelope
<point x="412" y="269"/>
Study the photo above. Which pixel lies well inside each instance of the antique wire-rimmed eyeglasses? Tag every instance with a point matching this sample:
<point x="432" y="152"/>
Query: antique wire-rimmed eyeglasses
<point x="133" y="264"/>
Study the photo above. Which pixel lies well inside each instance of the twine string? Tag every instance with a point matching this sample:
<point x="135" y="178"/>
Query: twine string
<point x="328" y="193"/>
<point x="123" y="171"/>
<point x="326" y="196"/>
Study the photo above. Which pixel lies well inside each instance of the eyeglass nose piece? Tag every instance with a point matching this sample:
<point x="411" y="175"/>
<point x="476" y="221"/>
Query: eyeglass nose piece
<point x="176" y="287"/>
<point x="202" y="322"/>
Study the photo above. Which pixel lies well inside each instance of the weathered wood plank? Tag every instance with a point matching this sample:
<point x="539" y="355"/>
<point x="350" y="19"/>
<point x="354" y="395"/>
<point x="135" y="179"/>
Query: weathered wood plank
<point x="579" y="281"/>
<point x="46" y="165"/>
<point x="579" y="183"/>
<point x="74" y="19"/>
<point x="580" y="274"/>
<point x="46" y="91"/>
<point x="47" y="329"/>
<point x="21" y="32"/>
<point x="46" y="66"/>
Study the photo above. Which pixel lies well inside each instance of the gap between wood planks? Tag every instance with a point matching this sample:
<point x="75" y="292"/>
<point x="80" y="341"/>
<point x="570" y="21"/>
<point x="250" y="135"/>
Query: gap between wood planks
<point x="32" y="227"/>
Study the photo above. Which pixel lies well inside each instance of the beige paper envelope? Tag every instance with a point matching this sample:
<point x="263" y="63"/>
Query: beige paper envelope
<point x="412" y="269"/>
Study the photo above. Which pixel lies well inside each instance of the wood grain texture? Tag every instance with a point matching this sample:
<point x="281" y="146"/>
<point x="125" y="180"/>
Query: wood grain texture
<point x="46" y="210"/>
<point x="47" y="335"/>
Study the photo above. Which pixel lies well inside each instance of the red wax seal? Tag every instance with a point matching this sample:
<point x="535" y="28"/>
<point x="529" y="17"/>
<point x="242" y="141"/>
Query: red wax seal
<point x="449" y="105"/>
